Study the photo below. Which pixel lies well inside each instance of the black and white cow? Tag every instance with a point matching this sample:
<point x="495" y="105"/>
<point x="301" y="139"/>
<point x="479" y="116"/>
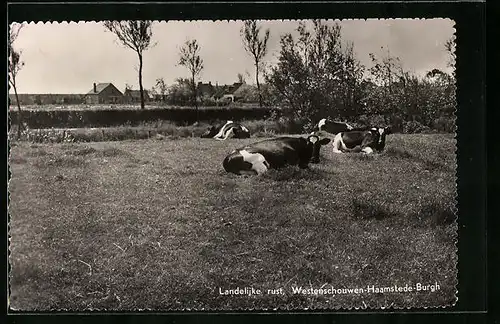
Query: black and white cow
<point x="275" y="153"/>
<point x="229" y="129"/>
<point x="332" y="127"/>
<point x="366" y="141"/>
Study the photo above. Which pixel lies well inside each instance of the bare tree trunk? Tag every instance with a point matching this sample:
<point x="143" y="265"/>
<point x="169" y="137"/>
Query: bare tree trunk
<point x="257" y="81"/>
<point x="140" y="80"/>
<point x="194" y="99"/>
<point x="19" y="117"/>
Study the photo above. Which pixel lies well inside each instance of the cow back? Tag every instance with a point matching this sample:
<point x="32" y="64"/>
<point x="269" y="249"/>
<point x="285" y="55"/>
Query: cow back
<point x="281" y="151"/>
<point x="356" y="138"/>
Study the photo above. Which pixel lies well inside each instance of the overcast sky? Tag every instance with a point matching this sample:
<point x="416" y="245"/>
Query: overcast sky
<point x="69" y="58"/>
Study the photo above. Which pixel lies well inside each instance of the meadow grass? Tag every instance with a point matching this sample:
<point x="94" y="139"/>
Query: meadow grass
<point x="150" y="224"/>
<point x="157" y="129"/>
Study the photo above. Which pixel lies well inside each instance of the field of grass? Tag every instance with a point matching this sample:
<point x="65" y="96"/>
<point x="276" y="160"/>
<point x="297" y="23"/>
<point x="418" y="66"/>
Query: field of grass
<point x="159" y="225"/>
<point x="157" y="129"/>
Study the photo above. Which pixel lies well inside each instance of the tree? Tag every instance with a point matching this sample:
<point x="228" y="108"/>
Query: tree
<point x="135" y="35"/>
<point x="316" y="77"/>
<point x="241" y="78"/>
<point x="161" y="88"/>
<point x="15" y="65"/>
<point x="387" y="73"/>
<point x="410" y="102"/>
<point x="190" y="58"/>
<point x="449" y="46"/>
<point x="180" y="92"/>
<point x="255" y="46"/>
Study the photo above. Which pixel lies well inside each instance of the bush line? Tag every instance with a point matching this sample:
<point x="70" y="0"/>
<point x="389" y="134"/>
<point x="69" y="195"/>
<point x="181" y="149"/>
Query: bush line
<point x="113" y="117"/>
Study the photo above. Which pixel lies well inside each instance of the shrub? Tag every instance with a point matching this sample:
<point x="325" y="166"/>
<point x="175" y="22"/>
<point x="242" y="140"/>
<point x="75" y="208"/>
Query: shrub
<point x="445" y="124"/>
<point x="371" y="120"/>
<point x="411" y="127"/>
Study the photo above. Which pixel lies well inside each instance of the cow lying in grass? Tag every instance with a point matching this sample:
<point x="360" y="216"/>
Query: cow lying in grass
<point x="332" y="127"/>
<point x="366" y="141"/>
<point x="275" y="153"/>
<point x="229" y="129"/>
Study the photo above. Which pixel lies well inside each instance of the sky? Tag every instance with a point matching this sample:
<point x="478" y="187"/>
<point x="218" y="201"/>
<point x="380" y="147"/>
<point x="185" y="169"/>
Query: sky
<point x="70" y="57"/>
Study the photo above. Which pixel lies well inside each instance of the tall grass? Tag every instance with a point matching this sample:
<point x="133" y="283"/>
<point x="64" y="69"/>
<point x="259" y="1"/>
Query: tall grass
<point x="158" y="129"/>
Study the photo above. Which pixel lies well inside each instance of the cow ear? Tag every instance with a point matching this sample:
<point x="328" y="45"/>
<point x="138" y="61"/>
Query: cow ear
<point x="325" y="141"/>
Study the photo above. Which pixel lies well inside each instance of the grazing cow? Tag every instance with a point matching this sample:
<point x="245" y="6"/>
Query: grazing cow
<point x="275" y="153"/>
<point x="229" y="129"/>
<point x="365" y="141"/>
<point x="332" y="127"/>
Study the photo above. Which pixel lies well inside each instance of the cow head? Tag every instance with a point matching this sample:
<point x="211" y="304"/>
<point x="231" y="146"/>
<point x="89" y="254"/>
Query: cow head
<point x="379" y="134"/>
<point x="333" y="127"/>
<point x="210" y="132"/>
<point x="241" y="132"/>
<point x="314" y="144"/>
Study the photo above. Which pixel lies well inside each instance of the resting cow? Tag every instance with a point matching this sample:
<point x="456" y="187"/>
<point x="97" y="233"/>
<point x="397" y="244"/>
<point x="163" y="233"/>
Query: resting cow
<point x="365" y="141"/>
<point x="229" y="129"/>
<point x="332" y="127"/>
<point x="275" y="153"/>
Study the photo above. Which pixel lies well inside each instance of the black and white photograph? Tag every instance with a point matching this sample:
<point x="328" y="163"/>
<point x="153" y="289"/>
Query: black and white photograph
<point x="236" y="165"/>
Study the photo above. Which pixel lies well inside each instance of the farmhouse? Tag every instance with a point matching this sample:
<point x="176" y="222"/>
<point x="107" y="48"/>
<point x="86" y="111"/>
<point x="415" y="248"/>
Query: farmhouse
<point x="246" y="92"/>
<point x="134" y="96"/>
<point x="226" y="92"/>
<point x="103" y="93"/>
<point x="206" y="89"/>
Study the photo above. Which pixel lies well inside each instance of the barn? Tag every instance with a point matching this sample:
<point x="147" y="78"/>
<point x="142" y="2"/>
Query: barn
<point x="103" y="93"/>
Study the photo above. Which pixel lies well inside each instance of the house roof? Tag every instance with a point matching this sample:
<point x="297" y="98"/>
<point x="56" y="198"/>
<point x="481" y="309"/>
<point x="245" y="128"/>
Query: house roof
<point x="99" y="88"/>
<point x="226" y="89"/>
<point x="235" y="86"/>
<point x="206" y="88"/>
<point x="242" y="88"/>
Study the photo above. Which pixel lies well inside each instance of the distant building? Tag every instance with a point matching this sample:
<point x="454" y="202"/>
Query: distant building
<point x="103" y="93"/>
<point x="47" y="99"/>
<point x="246" y="92"/>
<point x="206" y="89"/>
<point x="233" y="87"/>
<point x="134" y="96"/>
<point x="226" y="92"/>
<point x="227" y="97"/>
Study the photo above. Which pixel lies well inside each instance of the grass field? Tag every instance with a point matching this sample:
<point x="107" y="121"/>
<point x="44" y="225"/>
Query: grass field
<point x="159" y="225"/>
<point x="160" y="128"/>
